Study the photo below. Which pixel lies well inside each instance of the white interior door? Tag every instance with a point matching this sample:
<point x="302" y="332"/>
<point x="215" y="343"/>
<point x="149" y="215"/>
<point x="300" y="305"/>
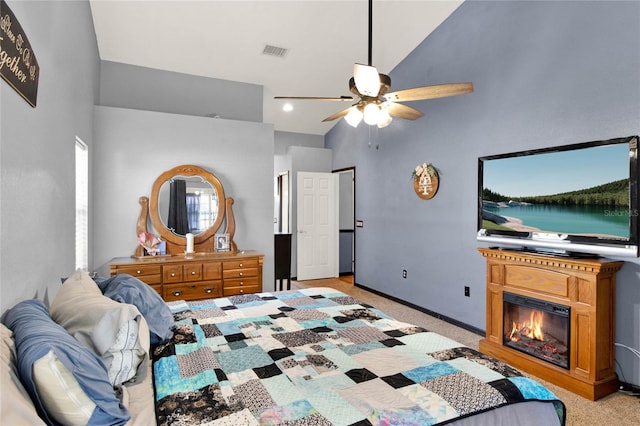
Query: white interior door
<point x="317" y="226"/>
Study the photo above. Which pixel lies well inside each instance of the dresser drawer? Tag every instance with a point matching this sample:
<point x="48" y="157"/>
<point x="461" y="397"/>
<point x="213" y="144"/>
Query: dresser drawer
<point x="241" y="286"/>
<point x="240" y="263"/>
<point x="150" y="274"/>
<point x="192" y="271"/>
<point x="246" y="289"/>
<point x="240" y="273"/>
<point x="172" y="274"/>
<point x="212" y="271"/>
<point x="192" y="291"/>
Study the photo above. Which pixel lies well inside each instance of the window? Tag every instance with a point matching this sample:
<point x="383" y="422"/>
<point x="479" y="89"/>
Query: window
<point x="82" y="205"/>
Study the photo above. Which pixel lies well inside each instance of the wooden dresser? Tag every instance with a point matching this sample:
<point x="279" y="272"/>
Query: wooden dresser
<point x="198" y="276"/>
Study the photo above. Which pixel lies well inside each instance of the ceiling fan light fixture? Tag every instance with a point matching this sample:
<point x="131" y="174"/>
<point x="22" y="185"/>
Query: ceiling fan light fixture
<point x="384" y="119"/>
<point x="353" y="117"/>
<point x="371" y="114"/>
<point x="367" y="79"/>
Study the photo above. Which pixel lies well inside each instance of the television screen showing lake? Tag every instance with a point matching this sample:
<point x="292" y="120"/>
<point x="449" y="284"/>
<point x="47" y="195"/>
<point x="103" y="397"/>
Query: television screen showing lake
<point x="583" y="191"/>
<point x="606" y="221"/>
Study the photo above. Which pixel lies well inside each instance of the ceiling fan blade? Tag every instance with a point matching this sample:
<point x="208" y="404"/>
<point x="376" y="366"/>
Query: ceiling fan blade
<point x="430" y="92"/>
<point x="367" y="79"/>
<point x="403" y="111"/>
<point x="337" y="115"/>
<point x="315" y="98"/>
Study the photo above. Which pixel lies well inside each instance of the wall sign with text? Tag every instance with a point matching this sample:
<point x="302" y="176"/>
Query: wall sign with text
<point x="18" y="64"/>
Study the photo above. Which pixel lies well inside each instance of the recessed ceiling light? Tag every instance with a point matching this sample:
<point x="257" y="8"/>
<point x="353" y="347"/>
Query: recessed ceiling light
<point x="287" y="107"/>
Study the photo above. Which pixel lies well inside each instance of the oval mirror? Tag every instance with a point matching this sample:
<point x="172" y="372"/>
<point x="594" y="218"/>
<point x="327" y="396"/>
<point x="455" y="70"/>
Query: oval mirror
<point x="186" y="199"/>
<point x="188" y="204"/>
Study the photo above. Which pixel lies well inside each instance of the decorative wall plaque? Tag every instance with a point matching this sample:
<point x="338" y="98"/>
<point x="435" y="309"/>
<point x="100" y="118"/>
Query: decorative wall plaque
<point x="425" y="181"/>
<point x="18" y="64"/>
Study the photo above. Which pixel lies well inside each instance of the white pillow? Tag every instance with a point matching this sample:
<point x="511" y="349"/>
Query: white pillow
<point x="60" y="392"/>
<point x="16" y="407"/>
<point x="116" y="332"/>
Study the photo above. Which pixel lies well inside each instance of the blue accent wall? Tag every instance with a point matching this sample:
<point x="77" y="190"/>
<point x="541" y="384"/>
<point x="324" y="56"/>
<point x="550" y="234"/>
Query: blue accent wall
<point x="545" y="74"/>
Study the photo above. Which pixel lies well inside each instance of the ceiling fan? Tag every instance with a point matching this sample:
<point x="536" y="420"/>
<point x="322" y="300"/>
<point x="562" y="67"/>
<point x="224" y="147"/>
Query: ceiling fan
<point x="375" y="104"/>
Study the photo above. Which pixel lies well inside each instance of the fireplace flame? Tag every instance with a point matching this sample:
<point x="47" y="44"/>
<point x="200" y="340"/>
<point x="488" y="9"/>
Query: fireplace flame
<point x="531" y="329"/>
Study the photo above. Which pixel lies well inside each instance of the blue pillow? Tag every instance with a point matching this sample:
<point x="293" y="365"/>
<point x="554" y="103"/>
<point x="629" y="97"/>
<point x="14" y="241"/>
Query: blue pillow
<point x="125" y="288"/>
<point x="36" y="336"/>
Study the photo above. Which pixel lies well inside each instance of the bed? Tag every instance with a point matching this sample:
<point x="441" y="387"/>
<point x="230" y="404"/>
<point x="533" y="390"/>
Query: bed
<point x="320" y="357"/>
<point x="110" y="351"/>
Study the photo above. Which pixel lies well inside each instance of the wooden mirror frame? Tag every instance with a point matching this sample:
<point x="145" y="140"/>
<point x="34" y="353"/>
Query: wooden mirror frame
<point x="176" y="244"/>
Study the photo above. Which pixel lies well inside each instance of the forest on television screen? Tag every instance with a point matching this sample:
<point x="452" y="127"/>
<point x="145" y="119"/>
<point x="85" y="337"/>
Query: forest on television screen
<point x="613" y="194"/>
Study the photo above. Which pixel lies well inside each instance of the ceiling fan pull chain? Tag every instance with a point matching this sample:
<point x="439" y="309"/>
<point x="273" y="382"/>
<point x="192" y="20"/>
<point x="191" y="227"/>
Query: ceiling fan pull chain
<point x="377" y="131"/>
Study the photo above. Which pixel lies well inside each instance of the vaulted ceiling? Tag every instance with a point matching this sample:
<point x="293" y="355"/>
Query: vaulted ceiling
<point x="226" y="40"/>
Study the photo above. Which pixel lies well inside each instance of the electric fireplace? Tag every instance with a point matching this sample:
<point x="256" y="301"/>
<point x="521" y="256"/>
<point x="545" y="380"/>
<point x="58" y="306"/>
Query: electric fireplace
<point x="536" y="327"/>
<point x="553" y="317"/>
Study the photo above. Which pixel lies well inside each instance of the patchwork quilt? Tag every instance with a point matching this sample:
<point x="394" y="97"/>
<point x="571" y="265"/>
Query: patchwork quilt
<point x="320" y="357"/>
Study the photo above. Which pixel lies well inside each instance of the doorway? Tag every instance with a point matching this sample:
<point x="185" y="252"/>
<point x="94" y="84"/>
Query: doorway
<point x="346" y="219"/>
<point x="282" y="203"/>
<point x="317" y="226"/>
<point x="346" y="223"/>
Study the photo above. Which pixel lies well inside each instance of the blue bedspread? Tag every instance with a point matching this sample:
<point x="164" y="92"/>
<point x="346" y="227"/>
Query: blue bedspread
<point x="320" y="357"/>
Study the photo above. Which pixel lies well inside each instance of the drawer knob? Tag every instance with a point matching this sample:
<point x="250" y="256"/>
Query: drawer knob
<point x="241" y="290"/>
<point x="241" y="265"/>
<point x="173" y="274"/>
<point x="138" y="272"/>
<point x="240" y="273"/>
<point x="241" y="282"/>
<point x="177" y="292"/>
<point x="193" y="272"/>
<point x="208" y="290"/>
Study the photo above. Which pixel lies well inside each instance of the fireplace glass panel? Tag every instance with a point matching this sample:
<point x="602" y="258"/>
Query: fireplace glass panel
<point x="537" y="328"/>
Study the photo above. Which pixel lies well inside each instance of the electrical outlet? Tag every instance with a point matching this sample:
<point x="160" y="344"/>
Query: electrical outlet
<point x="404" y="273"/>
<point x="467" y="291"/>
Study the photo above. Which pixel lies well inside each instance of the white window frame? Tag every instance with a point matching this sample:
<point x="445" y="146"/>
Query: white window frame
<point x="82" y="204"/>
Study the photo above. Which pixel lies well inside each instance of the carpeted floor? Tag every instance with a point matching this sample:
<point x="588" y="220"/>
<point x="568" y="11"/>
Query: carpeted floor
<point x="618" y="409"/>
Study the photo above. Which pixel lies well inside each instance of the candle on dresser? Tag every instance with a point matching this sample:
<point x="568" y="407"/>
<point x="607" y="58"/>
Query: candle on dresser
<point x="189" y="242"/>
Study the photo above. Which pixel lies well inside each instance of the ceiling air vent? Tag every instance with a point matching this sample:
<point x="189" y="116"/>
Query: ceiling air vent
<point x="270" y="50"/>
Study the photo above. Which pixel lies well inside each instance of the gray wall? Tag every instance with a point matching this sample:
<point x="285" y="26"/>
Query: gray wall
<point x="37" y="189"/>
<point x="545" y="74"/>
<point x="135" y="147"/>
<point x="282" y="158"/>
<point x="286" y="139"/>
<point x="37" y="151"/>
<point x="130" y="86"/>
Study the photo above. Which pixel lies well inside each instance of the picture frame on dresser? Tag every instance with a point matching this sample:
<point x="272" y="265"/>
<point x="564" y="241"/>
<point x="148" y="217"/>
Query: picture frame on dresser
<point x="222" y="242"/>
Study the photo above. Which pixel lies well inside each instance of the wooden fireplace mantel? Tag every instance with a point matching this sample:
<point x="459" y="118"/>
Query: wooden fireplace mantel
<point x="587" y="286"/>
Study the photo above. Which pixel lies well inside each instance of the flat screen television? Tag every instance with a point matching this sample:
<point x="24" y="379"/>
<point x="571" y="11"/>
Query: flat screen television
<point x="570" y="200"/>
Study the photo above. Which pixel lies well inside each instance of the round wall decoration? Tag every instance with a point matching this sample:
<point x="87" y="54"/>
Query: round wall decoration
<point x="425" y="181"/>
